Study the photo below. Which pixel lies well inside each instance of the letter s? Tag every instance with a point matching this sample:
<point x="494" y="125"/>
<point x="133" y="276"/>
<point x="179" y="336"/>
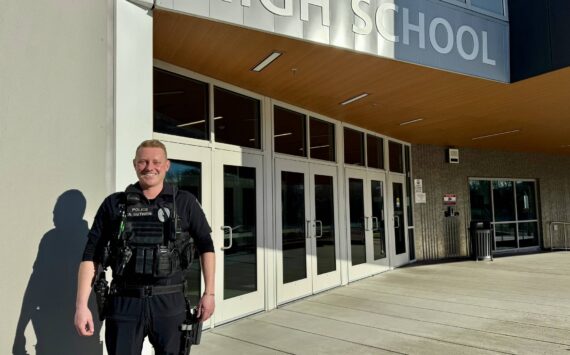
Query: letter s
<point x="364" y="16"/>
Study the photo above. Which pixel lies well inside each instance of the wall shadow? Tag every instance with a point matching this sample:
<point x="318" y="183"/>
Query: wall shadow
<point x="49" y="300"/>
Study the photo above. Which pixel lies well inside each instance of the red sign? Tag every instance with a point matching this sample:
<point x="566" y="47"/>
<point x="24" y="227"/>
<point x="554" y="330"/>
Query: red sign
<point x="449" y="199"/>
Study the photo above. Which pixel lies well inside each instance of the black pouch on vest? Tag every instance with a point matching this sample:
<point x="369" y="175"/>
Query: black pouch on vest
<point x="164" y="264"/>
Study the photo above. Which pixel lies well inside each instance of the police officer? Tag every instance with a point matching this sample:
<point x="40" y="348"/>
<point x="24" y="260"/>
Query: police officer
<point x="147" y="245"/>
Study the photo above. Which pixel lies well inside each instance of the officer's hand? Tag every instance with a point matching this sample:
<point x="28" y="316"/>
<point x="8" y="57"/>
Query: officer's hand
<point x="84" y="322"/>
<point x="206" y="307"/>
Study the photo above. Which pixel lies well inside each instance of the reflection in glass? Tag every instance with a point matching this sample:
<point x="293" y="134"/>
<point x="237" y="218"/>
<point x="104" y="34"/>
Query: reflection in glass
<point x="399" y="225"/>
<point x="353" y="147"/>
<point x="526" y="203"/>
<point x="480" y="198"/>
<point x="396" y="157"/>
<point x="505" y="236"/>
<point x="378" y="231"/>
<point x="180" y="105"/>
<point x="322" y="139"/>
<point x="289" y="132"/>
<point x="187" y="176"/>
<point x="236" y="119"/>
<point x="324" y="231"/>
<point x="504" y="202"/>
<point x="357" y="233"/>
<point x="528" y="234"/>
<point x="375" y="152"/>
<point x="240" y="213"/>
<point x="293" y="226"/>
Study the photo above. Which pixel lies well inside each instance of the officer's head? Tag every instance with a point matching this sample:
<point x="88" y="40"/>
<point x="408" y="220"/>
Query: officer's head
<point x="151" y="163"/>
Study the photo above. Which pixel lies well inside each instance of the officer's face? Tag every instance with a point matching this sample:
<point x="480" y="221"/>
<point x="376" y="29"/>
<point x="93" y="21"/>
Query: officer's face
<point x="151" y="166"/>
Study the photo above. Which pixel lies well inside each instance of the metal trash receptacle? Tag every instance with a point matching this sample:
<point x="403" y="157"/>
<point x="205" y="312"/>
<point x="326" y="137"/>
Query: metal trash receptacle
<point x="481" y="239"/>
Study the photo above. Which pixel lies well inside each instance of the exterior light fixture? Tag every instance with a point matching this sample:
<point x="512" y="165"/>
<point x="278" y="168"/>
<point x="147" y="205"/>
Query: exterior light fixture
<point x="412" y="121"/>
<point x="495" y="134"/>
<point x="268" y="60"/>
<point x="351" y="100"/>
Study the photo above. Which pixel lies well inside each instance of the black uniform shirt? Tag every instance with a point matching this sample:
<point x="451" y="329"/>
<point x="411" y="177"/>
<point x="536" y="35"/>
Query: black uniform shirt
<point x="108" y="219"/>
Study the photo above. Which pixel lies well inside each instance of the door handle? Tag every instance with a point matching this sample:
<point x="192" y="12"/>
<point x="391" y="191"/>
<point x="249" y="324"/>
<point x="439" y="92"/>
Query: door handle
<point x="366" y="219"/>
<point x="320" y="224"/>
<point x="231" y="237"/>
<point x="374" y="229"/>
<point x="396" y="221"/>
<point x="308" y="230"/>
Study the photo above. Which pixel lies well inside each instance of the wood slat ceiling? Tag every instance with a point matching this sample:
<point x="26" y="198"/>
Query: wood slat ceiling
<point x="455" y="108"/>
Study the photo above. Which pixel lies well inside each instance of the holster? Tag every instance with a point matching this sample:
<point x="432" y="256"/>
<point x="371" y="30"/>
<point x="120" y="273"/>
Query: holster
<point x="101" y="289"/>
<point x="191" y="330"/>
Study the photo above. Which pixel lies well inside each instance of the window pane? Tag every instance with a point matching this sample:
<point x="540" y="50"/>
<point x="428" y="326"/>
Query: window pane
<point x="396" y="157"/>
<point x="528" y="234"/>
<point x="504" y="200"/>
<point x="375" y="152"/>
<point x="505" y="236"/>
<point x="186" y="175"/>
<point x="180" y="105"/>
<point x="236" y="119"/>
<point x="409" y="188"/>
<point x="322" y="140"/>
<point x="356" y="205"/>
<point x="240" y="213"/>
<point x="289" y="128"/>
<point x="324" y="213"/>
<point x="378" y="230"/>
<point x="353" y="147"/>
<point x="293" y="226"/>
<point x="495" y="6"/>
<point x="480" y="197"/>
<point x="526" y="204"/>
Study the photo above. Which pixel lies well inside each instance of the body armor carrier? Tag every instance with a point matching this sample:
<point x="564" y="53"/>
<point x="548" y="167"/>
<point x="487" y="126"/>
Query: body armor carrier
<point x="150" y="242"/>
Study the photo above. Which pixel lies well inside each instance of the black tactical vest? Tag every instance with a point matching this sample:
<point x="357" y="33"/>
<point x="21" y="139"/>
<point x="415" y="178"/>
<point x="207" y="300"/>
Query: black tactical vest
<point x="150" y="242"/>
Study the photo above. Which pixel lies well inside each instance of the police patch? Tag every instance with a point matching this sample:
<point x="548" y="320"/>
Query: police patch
<point x="163" y="214"/>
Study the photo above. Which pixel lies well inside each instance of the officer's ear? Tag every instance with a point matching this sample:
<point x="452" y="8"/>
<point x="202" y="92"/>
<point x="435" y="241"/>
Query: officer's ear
<point x="167" y="164"/>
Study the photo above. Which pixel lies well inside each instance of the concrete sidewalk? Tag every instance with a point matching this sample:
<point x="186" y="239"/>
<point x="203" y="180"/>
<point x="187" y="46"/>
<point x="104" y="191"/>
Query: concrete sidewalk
<point x="513" y="305"/>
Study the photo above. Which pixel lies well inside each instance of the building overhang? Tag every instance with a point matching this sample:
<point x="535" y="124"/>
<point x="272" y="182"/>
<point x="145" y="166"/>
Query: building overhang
<point x="443" y="108"/>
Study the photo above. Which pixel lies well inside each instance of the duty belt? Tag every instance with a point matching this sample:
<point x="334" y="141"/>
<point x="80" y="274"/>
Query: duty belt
<point x="146" y="291"/>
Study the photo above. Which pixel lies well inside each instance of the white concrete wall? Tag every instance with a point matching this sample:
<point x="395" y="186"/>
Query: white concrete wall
<point x="56" y="135"/>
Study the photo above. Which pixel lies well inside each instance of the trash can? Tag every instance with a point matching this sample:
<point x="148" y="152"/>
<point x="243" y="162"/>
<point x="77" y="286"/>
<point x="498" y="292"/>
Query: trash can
<point x="481" y="239"/>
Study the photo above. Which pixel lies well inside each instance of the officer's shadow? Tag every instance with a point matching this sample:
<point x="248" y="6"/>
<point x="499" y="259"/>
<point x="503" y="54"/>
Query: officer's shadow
<point x="49" y="300"/>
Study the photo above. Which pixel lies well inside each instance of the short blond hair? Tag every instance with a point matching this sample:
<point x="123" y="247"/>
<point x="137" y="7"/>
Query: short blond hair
<point x="152" y="143"/>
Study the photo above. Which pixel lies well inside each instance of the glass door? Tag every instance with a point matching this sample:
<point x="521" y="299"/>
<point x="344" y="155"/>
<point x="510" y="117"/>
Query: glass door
<point x="399" y="243"/>
<point x="238" y="232"/>
<point x="307" y="229"/>
<point x="366" y="223"/>
<point x="324" y="227"/>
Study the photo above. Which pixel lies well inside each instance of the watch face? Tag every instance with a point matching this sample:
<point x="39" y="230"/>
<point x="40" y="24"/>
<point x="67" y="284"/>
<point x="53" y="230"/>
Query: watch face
<point x="163" y="214"/>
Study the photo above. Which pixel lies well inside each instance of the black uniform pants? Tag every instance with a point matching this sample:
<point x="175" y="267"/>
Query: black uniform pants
<point x="131" y="319"/>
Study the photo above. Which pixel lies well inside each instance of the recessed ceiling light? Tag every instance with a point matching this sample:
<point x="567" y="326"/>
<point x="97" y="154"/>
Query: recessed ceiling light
<point x="412" y="121"/>
<point x="268" y="60"/>
<point x="495" y="134"/>
<point x="352" y="99"/>
<point x="283" y="134"/>
<point x="190" y="123"/>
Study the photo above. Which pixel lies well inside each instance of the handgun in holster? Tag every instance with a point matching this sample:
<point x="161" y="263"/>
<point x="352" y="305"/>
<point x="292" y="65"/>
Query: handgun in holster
<point x="101" y="289"/>
<point x="191" y="330"/>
